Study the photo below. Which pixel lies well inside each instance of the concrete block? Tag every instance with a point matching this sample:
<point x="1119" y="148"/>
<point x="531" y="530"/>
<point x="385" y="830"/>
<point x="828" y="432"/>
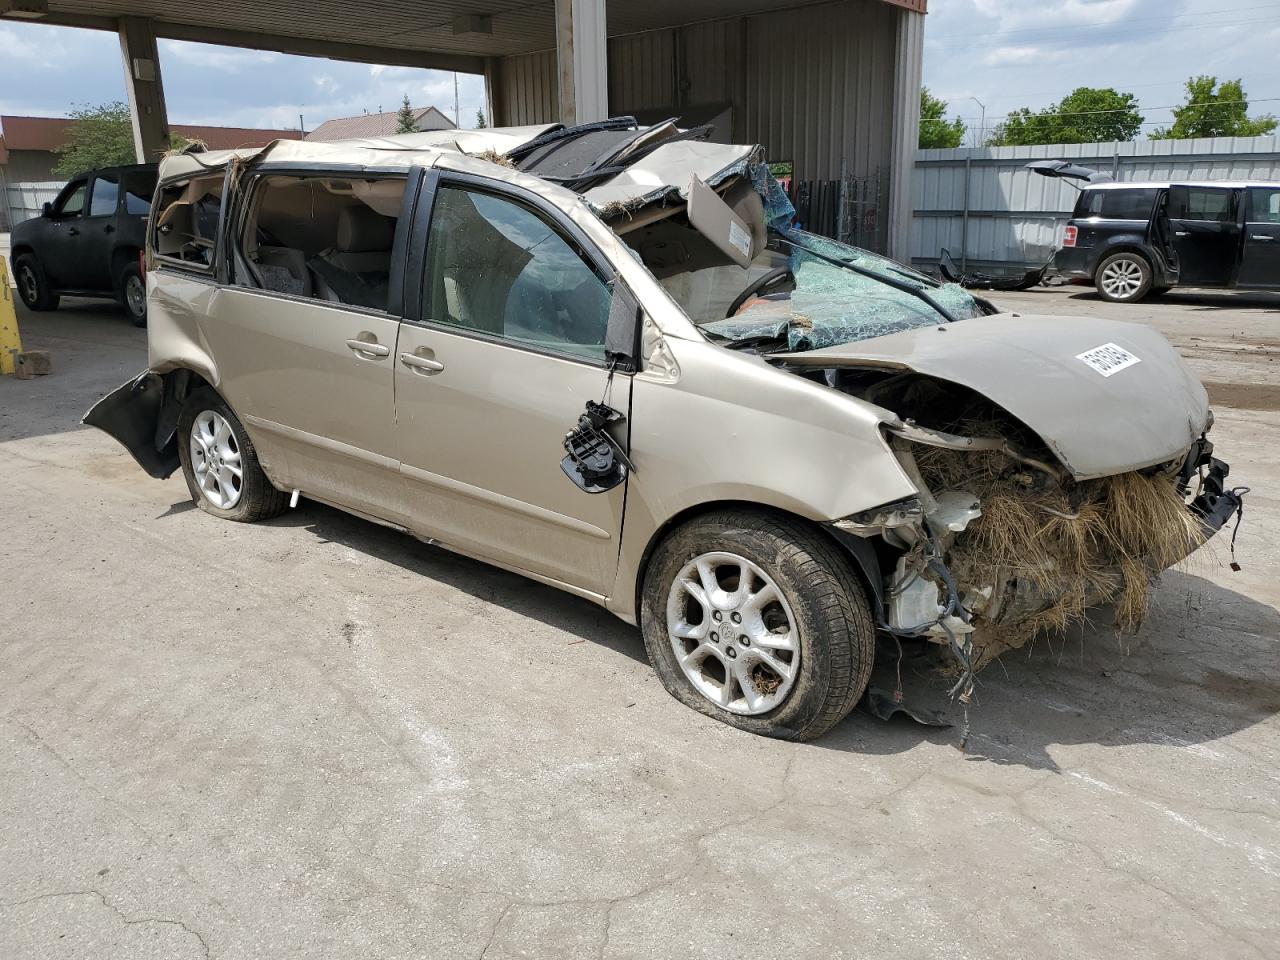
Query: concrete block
<point x="31" y="364"/>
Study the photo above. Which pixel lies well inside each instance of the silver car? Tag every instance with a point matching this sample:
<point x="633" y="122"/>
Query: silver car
<point x="605" y="358"/>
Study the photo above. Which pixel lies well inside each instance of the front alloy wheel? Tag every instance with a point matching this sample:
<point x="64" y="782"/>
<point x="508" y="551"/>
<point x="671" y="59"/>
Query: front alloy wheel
<point x="733" y="633"/>
<point x="33" y="285"/>
<point x="759" y="620"/>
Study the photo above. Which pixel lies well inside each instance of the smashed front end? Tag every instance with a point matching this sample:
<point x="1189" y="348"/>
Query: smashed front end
<point x="1002" y="543"/>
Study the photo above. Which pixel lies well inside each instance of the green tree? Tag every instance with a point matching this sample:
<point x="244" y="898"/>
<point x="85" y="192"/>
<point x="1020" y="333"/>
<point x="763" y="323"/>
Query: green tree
<point x="100" y="136"/>
<point x="481" y="123"/>
<point x="935" y="129"/>
<point x="1086" y="115"/>
<point x="1214" y="111"/>
<point x="406" y="121"/>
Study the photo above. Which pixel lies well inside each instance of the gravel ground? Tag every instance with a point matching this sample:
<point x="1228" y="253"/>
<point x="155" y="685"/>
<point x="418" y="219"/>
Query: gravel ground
<point x="316" y="737"/>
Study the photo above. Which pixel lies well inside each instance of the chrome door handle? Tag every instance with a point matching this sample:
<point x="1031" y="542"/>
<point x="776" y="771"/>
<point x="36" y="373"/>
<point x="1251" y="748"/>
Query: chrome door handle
<point x="421" y="363"/>
<point x="1262" y="237"/>
<point x="1182" y="233"/>
<point x="370" y="347"/>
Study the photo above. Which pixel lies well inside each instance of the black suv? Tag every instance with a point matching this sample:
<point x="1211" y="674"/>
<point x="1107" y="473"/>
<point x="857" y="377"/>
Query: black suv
<point x="1136" y="239"/>
<point x="87" y="242"/>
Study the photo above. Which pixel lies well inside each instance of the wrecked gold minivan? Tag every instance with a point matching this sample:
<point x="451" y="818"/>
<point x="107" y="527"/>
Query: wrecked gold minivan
<point x="603" y="357"/>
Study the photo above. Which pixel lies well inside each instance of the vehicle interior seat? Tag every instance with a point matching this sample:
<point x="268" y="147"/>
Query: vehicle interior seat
<point x="357" y="269"/>
<point x="283" y="270"/>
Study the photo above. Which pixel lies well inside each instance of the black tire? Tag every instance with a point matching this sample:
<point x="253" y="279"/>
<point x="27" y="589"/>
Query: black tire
<point x="1123" y="277"/>
<point x="836" y="633"/>
<point x="258" y="499"/>
<point x="33" y="284"/>
<point x="133" y="294"/>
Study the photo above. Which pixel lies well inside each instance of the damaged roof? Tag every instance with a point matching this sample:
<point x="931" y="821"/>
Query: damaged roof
<point x="612" y="165"/>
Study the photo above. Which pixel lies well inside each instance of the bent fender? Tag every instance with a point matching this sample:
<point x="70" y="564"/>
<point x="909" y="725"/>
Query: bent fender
<point x="143" y="416"/>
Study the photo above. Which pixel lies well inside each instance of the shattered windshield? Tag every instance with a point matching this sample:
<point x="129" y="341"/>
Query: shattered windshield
<point x="807" y="292"/>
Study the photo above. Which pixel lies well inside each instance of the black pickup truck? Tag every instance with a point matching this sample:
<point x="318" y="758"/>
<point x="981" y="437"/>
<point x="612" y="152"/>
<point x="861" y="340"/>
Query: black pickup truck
<point x="87" y="242"/>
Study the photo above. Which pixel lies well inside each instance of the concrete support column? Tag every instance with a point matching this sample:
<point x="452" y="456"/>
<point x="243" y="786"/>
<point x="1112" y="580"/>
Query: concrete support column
<point x="582" y="59"/>
<point x="495" y="93"/>
<point x="906" y="130"/>
<point x="146" y="92"/>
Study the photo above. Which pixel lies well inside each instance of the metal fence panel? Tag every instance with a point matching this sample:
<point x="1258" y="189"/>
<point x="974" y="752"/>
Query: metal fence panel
<point x="989" y="212"/>
<point x="22" y="201"/>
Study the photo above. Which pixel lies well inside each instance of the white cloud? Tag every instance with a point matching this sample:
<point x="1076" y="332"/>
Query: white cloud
<point x="33" y="45"/>
<point x="208" y="56"/>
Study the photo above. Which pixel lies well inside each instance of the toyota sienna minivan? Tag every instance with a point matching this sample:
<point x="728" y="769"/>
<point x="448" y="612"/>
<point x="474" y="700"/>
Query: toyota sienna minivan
<point x="602" y="356"/>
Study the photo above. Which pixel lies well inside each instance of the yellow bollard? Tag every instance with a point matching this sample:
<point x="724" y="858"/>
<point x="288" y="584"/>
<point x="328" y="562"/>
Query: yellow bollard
<point x="10" y="343"/>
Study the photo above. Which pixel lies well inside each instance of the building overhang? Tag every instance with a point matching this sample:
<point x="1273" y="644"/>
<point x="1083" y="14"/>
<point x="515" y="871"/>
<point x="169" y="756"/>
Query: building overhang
<point x="387" y="31"/>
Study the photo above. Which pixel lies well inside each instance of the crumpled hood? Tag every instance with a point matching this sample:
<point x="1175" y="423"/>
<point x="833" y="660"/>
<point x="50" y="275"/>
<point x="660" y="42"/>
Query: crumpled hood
<point x="1101" y="415"/>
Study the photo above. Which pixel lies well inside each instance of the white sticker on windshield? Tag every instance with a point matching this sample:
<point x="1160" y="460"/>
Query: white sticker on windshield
<point x="740" y="238"/>
<point x="1108" y="359"/>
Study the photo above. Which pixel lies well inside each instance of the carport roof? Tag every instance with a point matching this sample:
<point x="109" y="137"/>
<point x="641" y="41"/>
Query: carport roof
<point x="374" y="31"/>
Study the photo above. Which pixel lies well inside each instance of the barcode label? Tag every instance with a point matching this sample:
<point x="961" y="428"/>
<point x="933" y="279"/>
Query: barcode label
<point x="1108" y="359"/>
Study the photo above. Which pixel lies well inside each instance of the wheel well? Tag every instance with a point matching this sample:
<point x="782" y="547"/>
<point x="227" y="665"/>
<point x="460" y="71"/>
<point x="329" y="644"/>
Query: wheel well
<point x="861" y="555"/>
<point x="120" y="258"/>
<point x="1124" y="248"/>
<point x="16" y="252"/>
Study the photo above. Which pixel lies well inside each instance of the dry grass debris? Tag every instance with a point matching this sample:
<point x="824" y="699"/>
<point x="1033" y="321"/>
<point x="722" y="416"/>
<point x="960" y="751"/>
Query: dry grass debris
<point x="1062" y="547"/>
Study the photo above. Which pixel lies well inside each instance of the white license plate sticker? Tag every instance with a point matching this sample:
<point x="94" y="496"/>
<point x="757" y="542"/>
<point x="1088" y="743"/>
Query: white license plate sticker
<point x="1108" y="359"/>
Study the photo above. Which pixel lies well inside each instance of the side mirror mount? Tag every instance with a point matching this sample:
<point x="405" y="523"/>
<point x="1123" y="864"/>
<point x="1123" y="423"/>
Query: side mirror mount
<point x="621" y="339"/>
<point x="46" y="210"/>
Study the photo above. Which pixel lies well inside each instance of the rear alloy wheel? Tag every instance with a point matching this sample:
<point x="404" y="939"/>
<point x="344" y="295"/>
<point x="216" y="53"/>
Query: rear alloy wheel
<point x="33" y="285"/>
<point x="1123" y="278"/>
<point x="133" y="294"/>
<point x="759" y="621"/>
<point x="220" y="464"/>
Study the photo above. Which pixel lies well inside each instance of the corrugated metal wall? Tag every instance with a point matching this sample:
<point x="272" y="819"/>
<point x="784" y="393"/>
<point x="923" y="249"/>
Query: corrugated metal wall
<point x="1016" y="216"/>
<point x="530" y="89"/>
<point x="813" y="84"/>
<point x="819" y="87"/>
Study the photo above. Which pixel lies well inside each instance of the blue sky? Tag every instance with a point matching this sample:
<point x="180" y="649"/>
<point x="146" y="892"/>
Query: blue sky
<point x="1014" y="53"/>
<point x="1007" y="53"/>
<point x="221" y="86"/>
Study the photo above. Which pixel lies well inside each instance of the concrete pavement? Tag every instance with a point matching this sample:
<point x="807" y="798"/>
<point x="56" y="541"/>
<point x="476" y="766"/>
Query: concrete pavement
<point x="315" y="737"/>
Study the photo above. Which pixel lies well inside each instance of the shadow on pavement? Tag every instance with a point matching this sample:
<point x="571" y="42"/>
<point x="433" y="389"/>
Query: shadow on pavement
<point x="1203" y="666"/>
<point x="520" y="595"/>
<point x="1200" y="299"/>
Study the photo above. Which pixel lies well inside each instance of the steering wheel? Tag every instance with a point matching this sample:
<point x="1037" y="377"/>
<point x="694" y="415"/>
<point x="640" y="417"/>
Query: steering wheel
<point x="757" y="287"/>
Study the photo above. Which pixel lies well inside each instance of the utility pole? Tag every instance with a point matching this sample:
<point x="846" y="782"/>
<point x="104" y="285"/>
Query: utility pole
<point x="982" y="123"/>
<point x="456" y="122"/>
<point x="302" y="129"/>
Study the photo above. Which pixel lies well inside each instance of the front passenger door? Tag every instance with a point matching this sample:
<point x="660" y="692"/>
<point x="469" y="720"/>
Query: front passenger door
<point x="505" y="351"/>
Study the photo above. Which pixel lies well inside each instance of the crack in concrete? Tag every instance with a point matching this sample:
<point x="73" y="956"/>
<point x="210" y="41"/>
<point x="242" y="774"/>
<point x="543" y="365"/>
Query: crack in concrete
<point x="128" y="921"/>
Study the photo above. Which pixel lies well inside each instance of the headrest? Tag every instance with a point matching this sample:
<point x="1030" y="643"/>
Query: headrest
<point x="362" y="230"/>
